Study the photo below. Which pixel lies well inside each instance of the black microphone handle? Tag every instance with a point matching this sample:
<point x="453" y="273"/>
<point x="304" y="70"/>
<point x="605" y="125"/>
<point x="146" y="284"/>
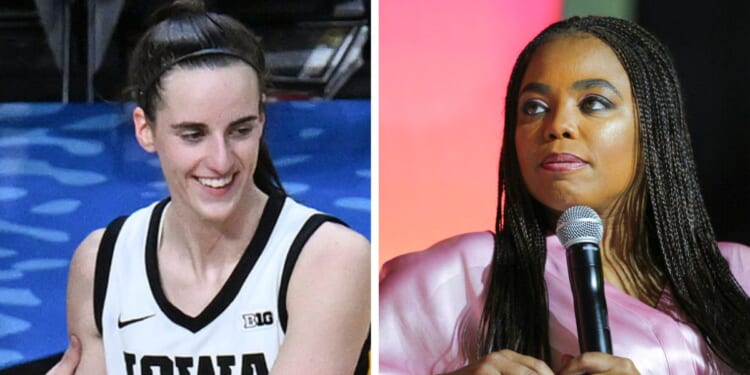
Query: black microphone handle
<point x="587" y="285"/>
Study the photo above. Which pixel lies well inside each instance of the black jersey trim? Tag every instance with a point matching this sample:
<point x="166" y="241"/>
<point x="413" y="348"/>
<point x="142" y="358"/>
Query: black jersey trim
<point x="104" y="266"/>
<point x="233" y="284"/>
<point x="310" y="226"/>
<point x="363" y="363"/>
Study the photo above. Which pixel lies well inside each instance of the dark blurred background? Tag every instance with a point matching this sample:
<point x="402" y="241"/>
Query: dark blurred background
<point x="709" y="44"/>
<point x="77" y="50"/>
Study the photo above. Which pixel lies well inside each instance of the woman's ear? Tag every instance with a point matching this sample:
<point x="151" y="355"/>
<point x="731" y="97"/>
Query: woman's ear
<point x="143" y="132"/>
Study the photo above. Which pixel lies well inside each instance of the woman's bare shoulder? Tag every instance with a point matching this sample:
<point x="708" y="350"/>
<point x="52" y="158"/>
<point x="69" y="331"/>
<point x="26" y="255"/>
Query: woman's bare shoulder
<point x="84" y="258"/>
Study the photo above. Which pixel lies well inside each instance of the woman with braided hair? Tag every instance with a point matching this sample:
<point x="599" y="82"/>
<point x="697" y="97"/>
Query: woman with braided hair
<point x="593" y="117"/>
<point x="229" y="275"/>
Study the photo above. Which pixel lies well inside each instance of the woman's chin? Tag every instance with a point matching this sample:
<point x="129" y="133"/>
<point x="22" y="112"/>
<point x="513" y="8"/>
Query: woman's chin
<point x="216" y="211"/>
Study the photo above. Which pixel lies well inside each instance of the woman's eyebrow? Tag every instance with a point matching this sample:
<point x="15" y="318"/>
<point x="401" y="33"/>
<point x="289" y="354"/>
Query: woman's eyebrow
<point x="537" y="87"/>
<point x="586" y="84"/>
<point x="188" y="125"/>
<point x="199" y="125"/>
<point x="244" y="119"/>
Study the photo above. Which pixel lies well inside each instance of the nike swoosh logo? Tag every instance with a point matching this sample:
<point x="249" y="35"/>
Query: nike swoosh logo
<point x="124" y="323"/>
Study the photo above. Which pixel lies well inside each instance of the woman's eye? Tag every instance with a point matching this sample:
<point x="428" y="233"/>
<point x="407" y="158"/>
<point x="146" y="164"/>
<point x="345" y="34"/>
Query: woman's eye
<point x="595" y="103"/>
<point x="533" y="107"/>
<point x="242" y="131"/>
<point x="191" y="136"/>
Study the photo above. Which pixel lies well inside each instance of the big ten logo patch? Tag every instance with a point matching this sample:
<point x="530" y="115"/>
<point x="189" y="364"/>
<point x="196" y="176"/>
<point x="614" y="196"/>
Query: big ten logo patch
<point x="257" y="319"/>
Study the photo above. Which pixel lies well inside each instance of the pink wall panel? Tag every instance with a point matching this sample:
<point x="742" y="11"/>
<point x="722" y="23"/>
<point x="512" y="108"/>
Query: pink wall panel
<point x="444" y="66"/>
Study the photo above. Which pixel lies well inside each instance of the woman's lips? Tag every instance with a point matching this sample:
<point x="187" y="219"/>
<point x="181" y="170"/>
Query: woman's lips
<point x="562" y="162"/>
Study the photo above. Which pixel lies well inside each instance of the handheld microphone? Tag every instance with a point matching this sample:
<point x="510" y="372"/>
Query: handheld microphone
<point x="580" y="230"/>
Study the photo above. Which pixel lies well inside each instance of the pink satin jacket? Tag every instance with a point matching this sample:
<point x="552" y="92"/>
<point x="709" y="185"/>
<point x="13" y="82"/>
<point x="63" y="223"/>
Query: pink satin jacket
<point x="431" y="303"/>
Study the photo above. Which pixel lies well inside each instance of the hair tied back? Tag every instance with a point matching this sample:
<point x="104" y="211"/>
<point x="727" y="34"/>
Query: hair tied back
<point x="177" y="9"/>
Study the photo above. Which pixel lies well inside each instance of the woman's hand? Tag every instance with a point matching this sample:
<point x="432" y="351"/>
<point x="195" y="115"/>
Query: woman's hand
<point x="69" y="361"/>
<point x="506" y="362"/>
<point x="595" y="363"/>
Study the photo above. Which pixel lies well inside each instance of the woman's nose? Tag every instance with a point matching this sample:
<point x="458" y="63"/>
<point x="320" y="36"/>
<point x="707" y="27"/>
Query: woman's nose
<point x="219" y="155"/>
<point x="563" y="124"/>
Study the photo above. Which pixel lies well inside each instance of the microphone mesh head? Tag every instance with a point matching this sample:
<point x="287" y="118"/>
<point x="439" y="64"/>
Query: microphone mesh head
<point x="579" y="224"/>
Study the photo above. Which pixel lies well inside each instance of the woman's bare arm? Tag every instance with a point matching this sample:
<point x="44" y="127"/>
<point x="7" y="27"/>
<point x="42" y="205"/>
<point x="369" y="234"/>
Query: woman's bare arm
<point x="328" y="303"/>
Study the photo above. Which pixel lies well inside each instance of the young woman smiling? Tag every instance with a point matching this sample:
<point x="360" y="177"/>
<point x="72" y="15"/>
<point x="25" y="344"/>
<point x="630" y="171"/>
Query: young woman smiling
<point x="228" y="274"/>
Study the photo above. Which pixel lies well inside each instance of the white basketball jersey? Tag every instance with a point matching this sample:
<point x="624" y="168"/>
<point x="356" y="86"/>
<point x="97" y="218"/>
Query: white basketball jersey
<point x="241" y="329"/>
